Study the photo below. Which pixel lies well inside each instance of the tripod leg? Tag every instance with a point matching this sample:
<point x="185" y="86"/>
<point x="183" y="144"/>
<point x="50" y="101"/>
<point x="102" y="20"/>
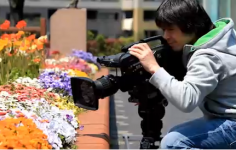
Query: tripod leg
<point x="128" y="138"/>
<point x="151" y="124"/>
<point x="125" y="137"/>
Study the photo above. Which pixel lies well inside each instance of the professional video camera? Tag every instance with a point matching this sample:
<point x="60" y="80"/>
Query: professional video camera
<point x="134" y="80"/>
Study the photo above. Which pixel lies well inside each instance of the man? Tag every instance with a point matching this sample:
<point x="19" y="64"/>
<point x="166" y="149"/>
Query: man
<point x="210" y="82"/>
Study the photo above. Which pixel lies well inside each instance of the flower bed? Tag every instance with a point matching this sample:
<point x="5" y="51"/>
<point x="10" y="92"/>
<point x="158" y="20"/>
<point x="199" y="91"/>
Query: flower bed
<point x="36" y="106"/>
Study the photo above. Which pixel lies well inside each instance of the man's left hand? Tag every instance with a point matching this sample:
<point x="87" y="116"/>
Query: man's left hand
<point x="145" y="55"/>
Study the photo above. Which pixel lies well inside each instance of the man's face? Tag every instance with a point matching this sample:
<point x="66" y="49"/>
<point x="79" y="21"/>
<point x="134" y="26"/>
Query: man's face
<point x="176" y="38"/>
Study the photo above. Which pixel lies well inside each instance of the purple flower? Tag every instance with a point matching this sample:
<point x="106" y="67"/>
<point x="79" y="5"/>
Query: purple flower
<point x="59" y="81"/>
<point x="87" y="56"/>
<point x="81" y="127"/>
<point x="69" y="118"/>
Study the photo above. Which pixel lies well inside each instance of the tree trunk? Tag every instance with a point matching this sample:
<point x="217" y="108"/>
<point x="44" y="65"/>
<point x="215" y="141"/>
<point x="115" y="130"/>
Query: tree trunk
<point x="16" y="10"/>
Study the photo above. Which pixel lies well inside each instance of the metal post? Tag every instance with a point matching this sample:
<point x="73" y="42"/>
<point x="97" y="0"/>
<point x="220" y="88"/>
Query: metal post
<point x="228" y="8"/>
<point x="212" y="8"/>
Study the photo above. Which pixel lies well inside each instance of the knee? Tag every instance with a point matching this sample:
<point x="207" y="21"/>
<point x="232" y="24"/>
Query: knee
<point x="173" y="140"/>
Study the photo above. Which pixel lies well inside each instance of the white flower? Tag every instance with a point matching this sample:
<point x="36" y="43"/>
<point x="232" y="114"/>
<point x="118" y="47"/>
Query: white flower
<point x="38" y="110"/>
<point x="22" y="52"/>
<point x="27" y="81"/>
<point x="4" y="94"/>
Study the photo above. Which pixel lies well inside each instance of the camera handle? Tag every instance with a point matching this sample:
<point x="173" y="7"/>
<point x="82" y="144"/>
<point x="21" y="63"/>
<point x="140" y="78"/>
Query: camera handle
<point x="151" y="109"/>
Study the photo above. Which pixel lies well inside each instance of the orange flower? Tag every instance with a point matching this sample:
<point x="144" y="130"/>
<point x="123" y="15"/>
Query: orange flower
<point x="9" y="54"/>
<point x="13" y="36"/>
<point x="27" y="136"/>
<point x="21" y="24"/>
<point x="31" y="37"/>
<point x="43" y="39"/>
<point x="5" y="25"/>
<point x="20" y="32"/>
<point x="10" y="36"/>
<point x="5" y="36"/>
<point x="36" y="60"/>
<point x="20" y="115"/>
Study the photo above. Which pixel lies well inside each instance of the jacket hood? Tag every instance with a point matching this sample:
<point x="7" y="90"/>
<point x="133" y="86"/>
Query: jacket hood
<point x="222" y="38"/>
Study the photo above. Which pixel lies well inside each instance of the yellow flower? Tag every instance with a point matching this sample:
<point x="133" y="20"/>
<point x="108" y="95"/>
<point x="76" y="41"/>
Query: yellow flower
<point x="80" y="73"/>
<point x="3" y="43"/>
<point x="26" y="42"/>
<point x="43" y="37"/>
<point x="23" y="48"/>
<point x="34" y="46"/>
<point x="17" y="43"/>
<point x="20" y="32"/>
<point x="71" y="72"/>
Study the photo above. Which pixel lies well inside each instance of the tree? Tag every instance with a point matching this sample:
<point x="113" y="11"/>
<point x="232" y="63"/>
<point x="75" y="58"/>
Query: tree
<point x="16" y="10"/>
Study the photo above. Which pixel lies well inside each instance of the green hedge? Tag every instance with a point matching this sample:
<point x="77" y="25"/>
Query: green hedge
<point x="100" y="46"/>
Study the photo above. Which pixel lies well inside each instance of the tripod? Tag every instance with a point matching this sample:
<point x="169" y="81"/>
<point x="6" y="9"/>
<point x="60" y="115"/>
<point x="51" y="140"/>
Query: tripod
<point x="151" y="108"/>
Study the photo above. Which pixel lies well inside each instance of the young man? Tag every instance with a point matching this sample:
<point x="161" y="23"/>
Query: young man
<point x="210" y="82"/>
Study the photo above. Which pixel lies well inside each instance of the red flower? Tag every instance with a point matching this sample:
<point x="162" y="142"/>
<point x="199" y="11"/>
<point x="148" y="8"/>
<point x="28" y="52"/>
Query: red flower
<point x="54" y="52"/>
<point x="5" y="25"/>
<point x="21" y="24"/>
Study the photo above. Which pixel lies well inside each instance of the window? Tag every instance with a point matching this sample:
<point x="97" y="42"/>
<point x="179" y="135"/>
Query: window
<point x="149" y="33"/>
<point x="127" y="33"/>
<point x="95" y="32"/>
<point x="107" y="15"/>
<point x="27" y="16"/>
<point x="149" y="15"/>
<point x="92" y="14"/>
<point x="32" y="19"/>
<point x="51" y="12"/>
<point x="128" y="14"/>
<point x="8" y="16"/>
<point x="116" y="16"/>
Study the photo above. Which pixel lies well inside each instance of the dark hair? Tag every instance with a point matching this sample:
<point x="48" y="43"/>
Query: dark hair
<point x="188" y="15"/>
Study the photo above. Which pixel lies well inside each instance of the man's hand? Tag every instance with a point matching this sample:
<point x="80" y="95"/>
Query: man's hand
<point x="145" y="55"/>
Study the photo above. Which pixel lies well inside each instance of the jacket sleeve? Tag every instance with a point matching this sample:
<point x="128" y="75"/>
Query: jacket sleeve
<point x="203" y="72"/>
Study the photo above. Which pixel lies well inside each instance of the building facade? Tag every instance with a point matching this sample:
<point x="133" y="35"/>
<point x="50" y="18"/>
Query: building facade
<point x="114" y="18"/>
<point x="103" y="16"/>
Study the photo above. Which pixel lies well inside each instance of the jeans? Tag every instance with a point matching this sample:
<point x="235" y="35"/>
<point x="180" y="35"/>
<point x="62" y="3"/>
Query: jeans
<point x="202" y="133"/>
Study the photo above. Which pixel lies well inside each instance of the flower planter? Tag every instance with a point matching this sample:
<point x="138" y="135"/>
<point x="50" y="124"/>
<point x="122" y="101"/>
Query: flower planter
<point x="36" y="104"/>
<point x="95" y="134"/>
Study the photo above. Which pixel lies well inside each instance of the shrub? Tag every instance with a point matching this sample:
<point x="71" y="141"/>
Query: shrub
<point x="99" y="45"/>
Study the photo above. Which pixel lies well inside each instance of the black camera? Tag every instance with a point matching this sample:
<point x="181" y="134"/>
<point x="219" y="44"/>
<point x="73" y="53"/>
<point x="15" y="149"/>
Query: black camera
<point x="134" y="80"/>
<point x="86" y="92"/>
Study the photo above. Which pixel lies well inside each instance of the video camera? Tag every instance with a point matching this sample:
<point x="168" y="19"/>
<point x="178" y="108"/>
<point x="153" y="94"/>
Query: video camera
<point x="86" y="92"/>
<point x="134" y="80"/>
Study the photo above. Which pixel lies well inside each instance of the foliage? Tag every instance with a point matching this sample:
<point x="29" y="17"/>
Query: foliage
<point x="99" y="45"/>
<point x="21" y="54"/>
